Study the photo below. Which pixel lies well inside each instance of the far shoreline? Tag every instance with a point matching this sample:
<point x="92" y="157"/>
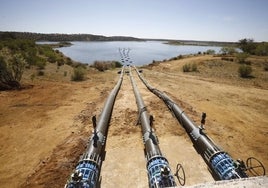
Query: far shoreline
<point x="55" y="44"/>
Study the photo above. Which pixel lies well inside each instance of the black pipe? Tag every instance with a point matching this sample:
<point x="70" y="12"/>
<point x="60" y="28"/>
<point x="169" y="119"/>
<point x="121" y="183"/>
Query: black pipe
<point x="159" y="173"/>
<point x="221" y="165"/>
<point x="87" y="171"/>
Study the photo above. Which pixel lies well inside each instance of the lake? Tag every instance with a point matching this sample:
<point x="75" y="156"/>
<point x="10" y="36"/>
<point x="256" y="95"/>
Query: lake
<point x="141" y="53"/>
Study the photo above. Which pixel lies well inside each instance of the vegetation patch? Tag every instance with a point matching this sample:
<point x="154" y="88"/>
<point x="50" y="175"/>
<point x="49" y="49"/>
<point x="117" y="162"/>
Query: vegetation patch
<point x="242" y="58"/>
<point x="253" y="48"/>
<point x="11" y="70"/>
<point x="190" y="67"/>
<point x="18" y="56"/>
<point x="245" y="71"/>
<point x="105" y="65"/>
<point x="79" y="74"/>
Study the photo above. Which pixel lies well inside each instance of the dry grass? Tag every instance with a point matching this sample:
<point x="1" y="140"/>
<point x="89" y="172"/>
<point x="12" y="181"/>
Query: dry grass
<point x="214" y="68"/>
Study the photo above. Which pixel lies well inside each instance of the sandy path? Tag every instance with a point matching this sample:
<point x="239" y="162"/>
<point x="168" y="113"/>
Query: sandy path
<point x="125" y="164"/>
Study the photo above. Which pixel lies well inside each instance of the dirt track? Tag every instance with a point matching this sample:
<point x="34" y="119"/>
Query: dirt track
<point x="44" y="129"/>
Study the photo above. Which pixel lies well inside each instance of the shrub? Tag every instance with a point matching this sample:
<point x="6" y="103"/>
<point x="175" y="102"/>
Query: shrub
<point x="79" y="74"/>
<point x="194" y="67"/>
<point x="11" y="71"/>
<point x="173" y="58"/>
<point x="52" y="58"/>
<point x="180" y="57"/>
<point x="60" y="63"/>
<point x="189" y="67"/>
<point x="241" y="58"/>
<point x="210" y="52"/>
<point x="69" y="61"/>
<point x="118" y="64"/>
<point x="105" y="65"/>
<point x="245" y="71"/>
<point x="228" y="50"/>
<point x="41" y="65"/>
<point x="100" y="66"/>
<point x="40" y="73"/>
<point x="186" y="68"/>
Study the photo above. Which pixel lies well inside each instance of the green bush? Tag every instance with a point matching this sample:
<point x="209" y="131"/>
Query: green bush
<point x="180" y="57"/>
<point x="228" y="50"/>
<point x="105" y="65"/>
<point x="69" y="61"/>
<point x="173" y="58"/>
<point x="189" y="67"/>
<point x="11" y="71"/>
<point x="210" y="52"/>
<point x="186" y="68"/>
<point x="247" y="45"/>
<point x="79" y="74"/>
<point x="245" y="71"/>
<point x="118" y="64"/>
<point x="40" y="65"/>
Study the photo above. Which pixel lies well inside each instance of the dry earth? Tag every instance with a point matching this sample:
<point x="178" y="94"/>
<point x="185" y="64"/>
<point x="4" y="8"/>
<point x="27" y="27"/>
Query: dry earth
<point x="44" y="129"/>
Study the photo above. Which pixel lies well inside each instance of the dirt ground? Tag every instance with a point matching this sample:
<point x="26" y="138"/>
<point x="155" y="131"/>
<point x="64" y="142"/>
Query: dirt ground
<point x="44" y="128"/>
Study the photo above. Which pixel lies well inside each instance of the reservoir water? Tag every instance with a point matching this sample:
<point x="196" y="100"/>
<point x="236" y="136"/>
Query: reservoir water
<point x="141" y="53"/>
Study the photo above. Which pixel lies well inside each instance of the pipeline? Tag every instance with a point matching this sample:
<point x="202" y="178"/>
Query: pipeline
<point x="87" y="171"/>
<point x="159" y="173"/>
<point x="220" y="163"/>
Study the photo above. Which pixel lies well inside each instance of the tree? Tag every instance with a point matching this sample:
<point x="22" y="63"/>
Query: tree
<point x="247" y="45"/>
<point x="11" y="72"/>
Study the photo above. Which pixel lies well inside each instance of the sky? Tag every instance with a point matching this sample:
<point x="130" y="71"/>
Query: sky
<point x="206" y="20"/>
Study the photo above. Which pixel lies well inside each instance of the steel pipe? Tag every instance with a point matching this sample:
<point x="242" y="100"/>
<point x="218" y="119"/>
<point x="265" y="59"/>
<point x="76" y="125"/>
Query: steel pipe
<point x="87" y="171"/>
<point x="220" y="163"/>
<point x="159" y="173"/>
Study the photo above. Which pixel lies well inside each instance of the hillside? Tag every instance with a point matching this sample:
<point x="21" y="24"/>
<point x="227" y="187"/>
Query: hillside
<point x="89" y="37"/>
<point x="64" y="37"/>
<point x="44" y="128"/>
